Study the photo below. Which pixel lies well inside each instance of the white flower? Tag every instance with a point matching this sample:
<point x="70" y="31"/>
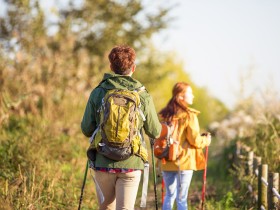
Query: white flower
<point x="214" y="126"/>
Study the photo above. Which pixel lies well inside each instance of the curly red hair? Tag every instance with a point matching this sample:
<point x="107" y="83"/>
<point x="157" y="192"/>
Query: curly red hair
<point x="122" y="58"/>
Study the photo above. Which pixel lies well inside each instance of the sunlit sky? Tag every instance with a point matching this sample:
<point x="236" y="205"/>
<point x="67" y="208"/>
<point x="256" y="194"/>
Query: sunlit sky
<point x="221" y="41"/>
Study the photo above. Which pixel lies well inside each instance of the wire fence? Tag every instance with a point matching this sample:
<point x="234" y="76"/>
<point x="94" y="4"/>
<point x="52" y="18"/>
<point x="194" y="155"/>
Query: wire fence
<point x="267" y="193"/>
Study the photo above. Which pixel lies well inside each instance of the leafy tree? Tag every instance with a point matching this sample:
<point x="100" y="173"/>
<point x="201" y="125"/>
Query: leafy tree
<point x="75" y="57"/>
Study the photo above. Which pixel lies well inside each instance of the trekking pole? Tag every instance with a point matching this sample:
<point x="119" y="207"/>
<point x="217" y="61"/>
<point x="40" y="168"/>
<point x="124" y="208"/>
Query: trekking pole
<point x="154" y="171"/>
<point x="204" y="180"/>
<point x="162" y="190"/>
<point x="83" y="186"/>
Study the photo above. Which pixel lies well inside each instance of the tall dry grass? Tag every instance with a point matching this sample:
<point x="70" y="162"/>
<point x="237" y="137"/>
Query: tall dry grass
<point x="42" y="162"/>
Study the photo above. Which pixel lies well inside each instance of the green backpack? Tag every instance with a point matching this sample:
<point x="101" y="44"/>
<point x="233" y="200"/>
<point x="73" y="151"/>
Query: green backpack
<point x="117" y="136"/>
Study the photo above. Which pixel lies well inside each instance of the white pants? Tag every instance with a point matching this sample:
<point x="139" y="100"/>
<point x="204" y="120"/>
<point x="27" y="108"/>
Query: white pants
<point x="119" y="189"/>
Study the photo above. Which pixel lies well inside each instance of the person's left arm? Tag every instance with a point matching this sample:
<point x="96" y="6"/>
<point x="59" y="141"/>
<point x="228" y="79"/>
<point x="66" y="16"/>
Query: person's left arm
<point x="152" y="126"/>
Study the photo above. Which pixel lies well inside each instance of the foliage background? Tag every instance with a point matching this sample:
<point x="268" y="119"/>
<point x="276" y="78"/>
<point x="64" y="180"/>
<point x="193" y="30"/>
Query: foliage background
<point x="47" y="71"/>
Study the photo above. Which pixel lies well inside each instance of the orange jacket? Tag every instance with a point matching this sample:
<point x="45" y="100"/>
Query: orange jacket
<point x="188" y="136"/>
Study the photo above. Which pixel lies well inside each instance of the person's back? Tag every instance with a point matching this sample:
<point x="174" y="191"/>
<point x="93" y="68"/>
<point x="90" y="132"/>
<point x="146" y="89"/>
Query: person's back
<point x="119" y="179"/>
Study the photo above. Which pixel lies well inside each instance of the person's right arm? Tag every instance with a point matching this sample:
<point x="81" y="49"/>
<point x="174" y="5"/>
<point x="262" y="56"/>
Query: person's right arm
<point x="88" y="124"/>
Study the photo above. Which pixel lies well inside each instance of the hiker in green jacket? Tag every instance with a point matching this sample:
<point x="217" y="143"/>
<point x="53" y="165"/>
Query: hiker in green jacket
<point x="119" y="179"/>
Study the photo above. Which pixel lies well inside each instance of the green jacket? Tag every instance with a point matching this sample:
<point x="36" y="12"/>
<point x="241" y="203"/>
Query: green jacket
<point x="91" y="118"/>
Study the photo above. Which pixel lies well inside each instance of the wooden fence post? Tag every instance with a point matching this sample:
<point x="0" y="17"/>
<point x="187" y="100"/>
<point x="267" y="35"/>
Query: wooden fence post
<point x="273" y="182"/>
<point x="262" y="188"/>
<point x="268" y="184"/>
<point x="256" y="162"/>
<point x="250" y="163"/>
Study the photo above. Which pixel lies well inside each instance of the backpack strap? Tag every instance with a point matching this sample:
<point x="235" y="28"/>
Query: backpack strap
<point x="145" y="177"/>
<point x="145" y="185"/>
<point x="140" y="90"/>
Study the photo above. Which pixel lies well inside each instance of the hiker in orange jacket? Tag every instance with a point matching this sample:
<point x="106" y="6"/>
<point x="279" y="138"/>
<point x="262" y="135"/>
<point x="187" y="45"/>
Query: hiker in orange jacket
<point x="183" y="120"/>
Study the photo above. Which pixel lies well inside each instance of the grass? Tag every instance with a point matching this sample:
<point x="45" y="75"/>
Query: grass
<point x="42" y="164"/>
